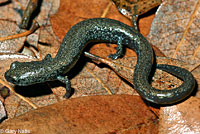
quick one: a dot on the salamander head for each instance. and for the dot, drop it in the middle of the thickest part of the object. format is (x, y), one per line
(26, 73)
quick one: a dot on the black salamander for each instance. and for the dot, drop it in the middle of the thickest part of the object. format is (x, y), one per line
(102, 30)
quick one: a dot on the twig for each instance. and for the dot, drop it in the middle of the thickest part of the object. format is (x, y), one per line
(34, 27)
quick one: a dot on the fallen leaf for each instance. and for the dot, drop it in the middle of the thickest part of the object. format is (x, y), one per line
(145, 23)
(196, 73)
(175, 30)
(135, 7)
(182, 118)
(3, 114)
(94, 114)
(10, 46)
(10, 19)
(9, 10)
(73, 11)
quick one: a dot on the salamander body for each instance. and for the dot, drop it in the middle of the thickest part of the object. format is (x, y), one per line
(102, 30)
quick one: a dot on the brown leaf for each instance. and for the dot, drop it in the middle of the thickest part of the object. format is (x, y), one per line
(181, 118)
(7, 12)
(175, 30)
(10, 46)
(196, 73)
(10, 18)
(145, 24)
(48, 42)
(44, 37)
(94, 114)
(135, 7)
(73, 11)
(2, 112)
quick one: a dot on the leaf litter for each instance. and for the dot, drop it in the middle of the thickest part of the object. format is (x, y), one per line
(175, 31)
(57, 42)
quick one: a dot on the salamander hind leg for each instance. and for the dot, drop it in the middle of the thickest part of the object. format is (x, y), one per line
(119, 52)
(64, 79)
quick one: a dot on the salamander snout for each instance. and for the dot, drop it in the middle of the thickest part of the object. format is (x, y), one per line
(26, 73)
(13, 72)
(10, 78)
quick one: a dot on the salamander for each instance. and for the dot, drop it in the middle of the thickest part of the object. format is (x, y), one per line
(102, 30)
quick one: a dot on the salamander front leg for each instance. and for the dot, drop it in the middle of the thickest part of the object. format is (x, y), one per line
(65, 80)
(119, 52)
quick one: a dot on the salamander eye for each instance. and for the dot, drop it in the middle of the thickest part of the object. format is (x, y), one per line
(13, 65)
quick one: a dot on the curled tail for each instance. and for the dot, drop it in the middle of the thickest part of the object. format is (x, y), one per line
(167, 96)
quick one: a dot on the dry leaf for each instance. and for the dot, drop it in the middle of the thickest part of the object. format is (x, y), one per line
(73, 11)
(9, 10)
(9, 28)
(48, 43)
(47, 8)
(196, 73)
(2, 112)
(135, 7)
(10, 19)
(94, 115)
(145, 24)
(181, 119)
(175, 30)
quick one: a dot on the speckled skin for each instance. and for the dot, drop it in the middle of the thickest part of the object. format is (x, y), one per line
(102, 30)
